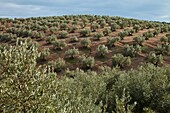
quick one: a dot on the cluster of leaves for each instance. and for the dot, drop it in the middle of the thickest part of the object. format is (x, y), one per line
(139, 40)
(132, 50)
(154, 59)
(111, 41)
(86, 43)
(57, 65)
(102, 50)
(121, 61)
(87, 62)
(72, 53)
(59, 44)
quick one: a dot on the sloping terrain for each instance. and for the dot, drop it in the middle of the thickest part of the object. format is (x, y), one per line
(89, 42)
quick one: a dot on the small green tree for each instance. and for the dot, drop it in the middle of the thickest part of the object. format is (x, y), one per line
(98, 35)
(106, 31)
(85, 32)
(139, 40)
(87, 62)
(86, 42)
(154, 59)
(121, 61)
(58, 65)
(63, 34)
(101, 50)
(72, 53)
(111, 41)
(59, 44)
(44, 53)
(74, 39)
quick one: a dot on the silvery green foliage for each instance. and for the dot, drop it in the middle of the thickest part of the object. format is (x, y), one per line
(59, 44)
(87, 62)
(139, 40)
(85, 32)
(72, 53)
(26, 88)
(58, 64)
(154, 59)
(102, 50)
(86, 42)
(132, 50)
(121, 61)
(44, 53)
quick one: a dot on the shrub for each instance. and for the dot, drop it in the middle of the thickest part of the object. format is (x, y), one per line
(51, 39)
(85, 32)
(165, 39)
(86, 43)
(148, 35)
(120, 61)
(139, 40)
(72, 53)
(94, 27)
(73, 39)
(111, 41)
(59, 44)
(122, 34)
(58, 65)
(44, 53)
(72, 29)
(154, 59)
(163, 49)
(87, 62)
(132, 50)
(63, 34)
(102, 50)
(63, 26)
(136, 28)
(106, 31)
(98, 35)
(114, 26)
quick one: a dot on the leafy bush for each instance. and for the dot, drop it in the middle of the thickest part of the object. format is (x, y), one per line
(94, 27)
(63, 34)
(51, 39)
(85, 32)
(86, 43)
(111, 41)
(165, 39)
(73, 39)
(63, 26)
(97, 36)
(87, 62)
(121, 61)
(132, 50)
(139, 40)
(154, 59)
(44, 53)
(114, 26)
(59, 44)
(106, 31)
(101, 50)
(58, 65)
(136, 28)
(72, 53)
(163, 49)
(122, 34)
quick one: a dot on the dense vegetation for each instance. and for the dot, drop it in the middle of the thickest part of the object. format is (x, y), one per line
(84, 64)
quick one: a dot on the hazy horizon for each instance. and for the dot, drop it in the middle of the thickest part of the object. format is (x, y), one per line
(153, 10)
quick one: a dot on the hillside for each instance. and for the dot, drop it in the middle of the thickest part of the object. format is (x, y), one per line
(96, 39)
(84, 64)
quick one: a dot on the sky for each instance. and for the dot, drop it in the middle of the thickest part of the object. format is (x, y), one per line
(156, 10)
